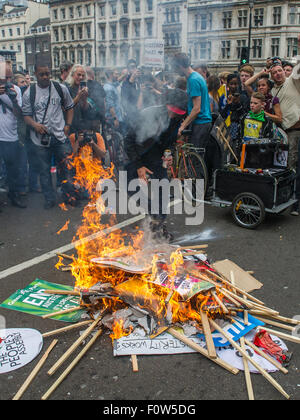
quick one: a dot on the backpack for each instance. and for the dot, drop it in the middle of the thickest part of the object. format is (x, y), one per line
(57, 87)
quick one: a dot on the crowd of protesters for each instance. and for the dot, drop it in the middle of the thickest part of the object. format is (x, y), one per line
(43, 123)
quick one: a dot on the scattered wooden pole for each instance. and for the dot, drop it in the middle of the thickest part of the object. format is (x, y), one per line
(134, 362)
(225, 310)
(71, 366)
(276, 324)
(208, 337)
(255, 364)
(65, 311)
(35, 371)
(202, 351)
(65, 329)
(247, 372)
(77, 343)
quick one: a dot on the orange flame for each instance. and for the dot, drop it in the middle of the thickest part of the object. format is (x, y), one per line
(64, 228)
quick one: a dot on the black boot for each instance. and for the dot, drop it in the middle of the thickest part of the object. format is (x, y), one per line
(16, 201)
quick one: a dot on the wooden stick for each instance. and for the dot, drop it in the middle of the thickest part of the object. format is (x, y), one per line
(232, 279)
(284, 319)
(35, 371)
(71, 366)
(77, 343)
(276, 324)
(235, 302)
(134, 362)
(65, 311)
(247, 372)
(246, 318)
(64, 329)
(281, 335)
(220, 302)
(202, 351)
(67, 257)
(266, 356)
(62, 292)
(193, 247)
(255, 364)
(208, 337)
(227, 143)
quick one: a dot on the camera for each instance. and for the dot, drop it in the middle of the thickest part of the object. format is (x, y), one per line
(45, 140)
(87, 138)
(83, 84)
(11, 93)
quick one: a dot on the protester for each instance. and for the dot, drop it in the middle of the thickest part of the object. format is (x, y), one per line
(264, 86)
(149, 95)
(288, 68)
(77, 85)
(213, 85)
(246, 71)
(256, 124)
(202, 69)
(199, 113)
(28, 79)
(64, 69)
(10, 109)
(113, 99)
(88, 137)
(155, 130)
(48, 110)
(287, 90)
(130, 92)
(97, 96)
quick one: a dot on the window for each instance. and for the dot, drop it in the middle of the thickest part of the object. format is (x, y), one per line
(113, 31)
(88, 57)
(225, 49)
(46, 46)
(88, 30)
(149, 28)
(125, 30)
(55, 14)
(10, 31)
(149, 5)
(137, 6)
(64, 55)
(113, 55)
(257, 48)
(102, 10)
(294, 15)
(18, 31)
(63, 14)
(80, 56)
(292, 47)
(72, 56)
(275, 43)
(240, 44)
(113, 9)
(243, 18)
(137, 29)
(125, 8)
(3, 33)
(64, 34)
(72, 36)
(258, 17)
(102, 32)
(80, 32)
(56, 35)
(19, 48)
(56, 59)
(88, 9)
(28, 48)
(79, 11)
(102, 56)
(227, 19)
(71, 12)
(277, 15)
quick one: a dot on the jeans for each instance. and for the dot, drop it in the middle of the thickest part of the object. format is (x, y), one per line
(43, 158)
(10, 153)
(200, 134)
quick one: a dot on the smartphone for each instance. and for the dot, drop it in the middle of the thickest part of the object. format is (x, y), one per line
(83, 84)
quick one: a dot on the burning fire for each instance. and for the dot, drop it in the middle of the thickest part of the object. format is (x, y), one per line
(137, 290)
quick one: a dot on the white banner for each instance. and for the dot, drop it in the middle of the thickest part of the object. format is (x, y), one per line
(18, 347)
(154, 53)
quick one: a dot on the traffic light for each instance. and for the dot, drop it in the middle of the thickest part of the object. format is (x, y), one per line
(244, 55)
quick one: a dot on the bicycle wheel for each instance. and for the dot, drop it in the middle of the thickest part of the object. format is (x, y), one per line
(192, 166)
(248, 210)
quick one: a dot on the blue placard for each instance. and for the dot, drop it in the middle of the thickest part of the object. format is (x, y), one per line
(236, 330)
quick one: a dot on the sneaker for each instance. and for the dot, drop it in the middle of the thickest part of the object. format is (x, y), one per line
(16, 201)
(295, 209)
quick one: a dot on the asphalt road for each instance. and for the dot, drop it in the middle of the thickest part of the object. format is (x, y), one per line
(272, 252)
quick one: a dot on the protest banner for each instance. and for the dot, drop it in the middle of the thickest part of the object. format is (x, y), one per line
(154, 53)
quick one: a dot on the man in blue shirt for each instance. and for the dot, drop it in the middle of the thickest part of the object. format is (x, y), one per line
(199, 113)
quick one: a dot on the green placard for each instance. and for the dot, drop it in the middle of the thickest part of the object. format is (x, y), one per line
(34, 301)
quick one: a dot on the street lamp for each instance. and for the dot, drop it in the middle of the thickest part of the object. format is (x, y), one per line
(251, 6)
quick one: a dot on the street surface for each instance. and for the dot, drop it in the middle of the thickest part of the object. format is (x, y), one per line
(272, 252)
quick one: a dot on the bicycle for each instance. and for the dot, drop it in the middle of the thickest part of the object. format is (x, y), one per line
(188, 163)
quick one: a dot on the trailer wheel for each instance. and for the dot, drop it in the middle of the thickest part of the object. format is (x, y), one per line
(248, 210)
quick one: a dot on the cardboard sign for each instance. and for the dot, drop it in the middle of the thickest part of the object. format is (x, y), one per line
(154, 53)
(18, 347)
(34, 301)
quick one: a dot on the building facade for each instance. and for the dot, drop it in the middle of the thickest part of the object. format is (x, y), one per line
(38, 44)
(15, 22)
(219, 29)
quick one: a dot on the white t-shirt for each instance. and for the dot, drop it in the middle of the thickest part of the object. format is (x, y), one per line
(289, 97)
(8, 121)
(54, 120)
